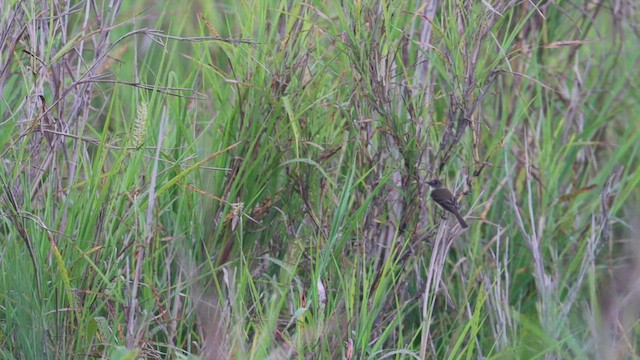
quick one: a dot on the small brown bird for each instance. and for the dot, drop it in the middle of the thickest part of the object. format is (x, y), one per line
(443, 197)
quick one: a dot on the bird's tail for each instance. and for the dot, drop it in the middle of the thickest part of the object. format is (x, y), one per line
(461, 220)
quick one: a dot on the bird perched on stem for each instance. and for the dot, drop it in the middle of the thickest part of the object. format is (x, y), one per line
(443, 197)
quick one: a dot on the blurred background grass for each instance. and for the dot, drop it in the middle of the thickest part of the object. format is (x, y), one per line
(247, 179)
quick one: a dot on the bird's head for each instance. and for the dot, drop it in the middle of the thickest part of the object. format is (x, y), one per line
(435, 183)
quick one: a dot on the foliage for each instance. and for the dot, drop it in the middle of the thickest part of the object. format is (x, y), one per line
(248, 179)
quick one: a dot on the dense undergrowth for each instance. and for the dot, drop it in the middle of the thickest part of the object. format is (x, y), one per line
(248, 179)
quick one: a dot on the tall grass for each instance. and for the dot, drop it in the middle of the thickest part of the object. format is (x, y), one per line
(248, 179)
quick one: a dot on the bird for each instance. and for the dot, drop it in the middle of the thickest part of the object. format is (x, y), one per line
(443, 197)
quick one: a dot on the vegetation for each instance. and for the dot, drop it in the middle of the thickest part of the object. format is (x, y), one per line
(247, 179)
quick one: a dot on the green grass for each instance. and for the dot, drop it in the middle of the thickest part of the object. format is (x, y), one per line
(247, 180)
